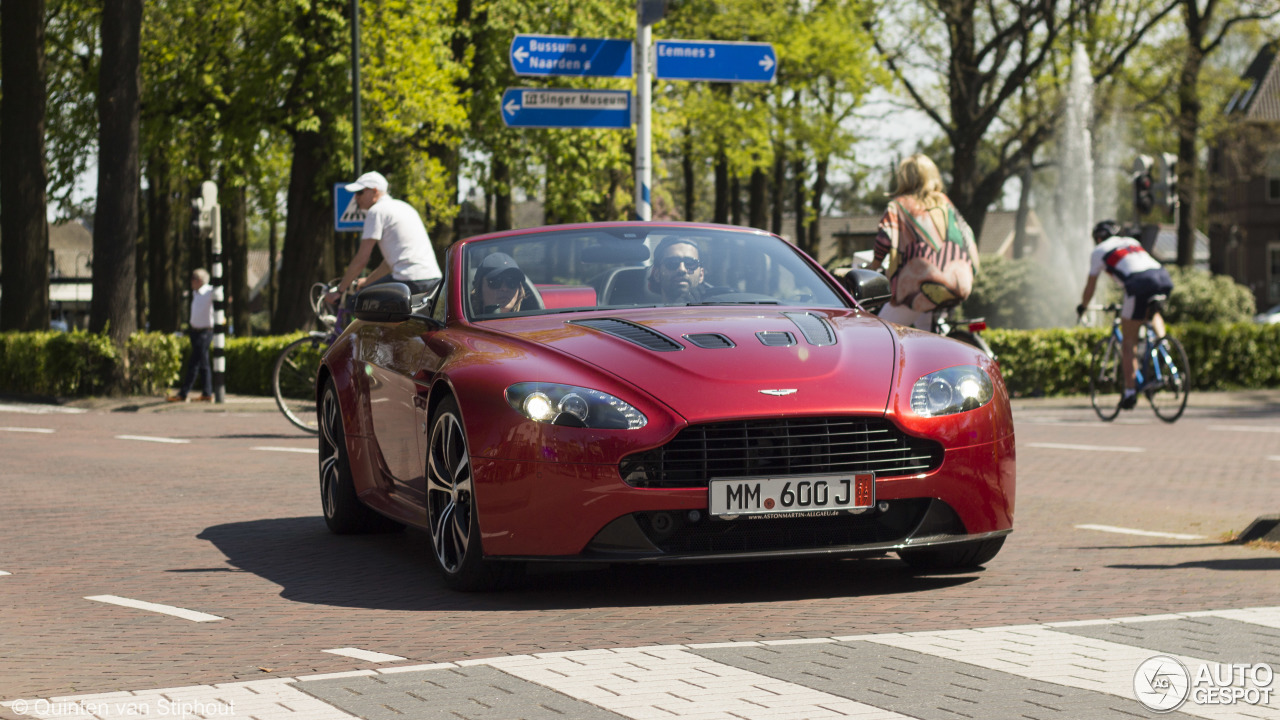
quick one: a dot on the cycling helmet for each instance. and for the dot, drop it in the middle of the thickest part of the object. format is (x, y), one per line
(1105, 229)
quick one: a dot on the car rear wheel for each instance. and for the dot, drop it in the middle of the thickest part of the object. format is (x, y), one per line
(343, 511)
(958, 556)
(451, 508)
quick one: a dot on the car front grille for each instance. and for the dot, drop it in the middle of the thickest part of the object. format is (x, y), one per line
(779, 447)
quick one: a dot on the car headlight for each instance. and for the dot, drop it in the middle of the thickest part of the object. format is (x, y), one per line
(953, 390)
(573, 406)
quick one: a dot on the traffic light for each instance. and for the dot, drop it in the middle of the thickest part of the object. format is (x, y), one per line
(1167, 185)
(1144, 198)
(651, 11)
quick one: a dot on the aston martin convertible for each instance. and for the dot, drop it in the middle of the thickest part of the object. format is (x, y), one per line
(658, 393)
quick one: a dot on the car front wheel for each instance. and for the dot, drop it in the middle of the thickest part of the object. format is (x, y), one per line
(451, 508)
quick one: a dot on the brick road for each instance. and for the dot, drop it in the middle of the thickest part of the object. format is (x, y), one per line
(216, 526)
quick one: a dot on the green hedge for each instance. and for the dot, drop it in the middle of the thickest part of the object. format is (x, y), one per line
(1034, 362)
(1056, 361)
(80, 363)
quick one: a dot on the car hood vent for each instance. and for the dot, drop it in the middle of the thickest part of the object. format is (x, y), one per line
(631, 332)
(776, 338)
(709, 341)
(815, 328)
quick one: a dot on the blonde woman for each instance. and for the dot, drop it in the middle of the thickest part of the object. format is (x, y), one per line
(926, 247)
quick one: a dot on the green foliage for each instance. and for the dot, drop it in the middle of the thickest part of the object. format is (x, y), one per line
(250, 361)
(1053, 361)
(55, 364)
(1023, 294)
(1223, 356)
(1201, 297)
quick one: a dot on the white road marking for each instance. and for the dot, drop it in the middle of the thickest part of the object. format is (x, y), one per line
(1089, 448)
(312, 451)
(277, 699)
(183, 613)
(1144, 533)
(670, 682)
(1273, 457)
(41, 409)
(4, 573)
(369, 655)
(1039, 653)
(146, 438)
(1246, 428)
(27, 430)
(644, 683)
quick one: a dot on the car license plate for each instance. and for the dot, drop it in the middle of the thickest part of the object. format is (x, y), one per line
(796, 495)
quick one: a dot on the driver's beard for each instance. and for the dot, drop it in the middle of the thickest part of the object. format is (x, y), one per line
(692, 294)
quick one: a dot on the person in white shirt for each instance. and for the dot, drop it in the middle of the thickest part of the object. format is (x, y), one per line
(1142, 277)
(201, 334)
(394, 226)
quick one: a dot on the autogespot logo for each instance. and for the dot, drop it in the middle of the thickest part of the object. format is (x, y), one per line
(1162, 683)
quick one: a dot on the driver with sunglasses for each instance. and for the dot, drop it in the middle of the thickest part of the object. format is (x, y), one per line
(677, 274)
(499, 285)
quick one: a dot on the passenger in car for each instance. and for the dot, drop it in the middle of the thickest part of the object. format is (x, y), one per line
(677, 274)
(498, 286)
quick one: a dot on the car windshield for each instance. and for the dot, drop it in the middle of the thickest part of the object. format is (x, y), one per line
(619, 267)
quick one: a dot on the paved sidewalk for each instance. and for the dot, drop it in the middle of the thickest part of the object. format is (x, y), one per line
(1077, 669)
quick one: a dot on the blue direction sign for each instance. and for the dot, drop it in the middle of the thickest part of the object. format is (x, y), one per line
(549, 108)
(347, 217)
(714, 61)
(557, 55)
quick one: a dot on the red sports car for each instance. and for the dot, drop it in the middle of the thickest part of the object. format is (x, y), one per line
(658, 392)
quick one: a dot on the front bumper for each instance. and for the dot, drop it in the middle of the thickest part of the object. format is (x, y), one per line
(563, 511)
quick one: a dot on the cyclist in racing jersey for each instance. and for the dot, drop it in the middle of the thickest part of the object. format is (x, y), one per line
(1142, 277)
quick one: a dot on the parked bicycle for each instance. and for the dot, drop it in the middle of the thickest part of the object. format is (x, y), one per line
(293, 377)
(1163, 375)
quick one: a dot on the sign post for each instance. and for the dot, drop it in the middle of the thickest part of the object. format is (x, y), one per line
(549, 55)
(715, 61)
(644, 120)
(561, 108)
(210, 223)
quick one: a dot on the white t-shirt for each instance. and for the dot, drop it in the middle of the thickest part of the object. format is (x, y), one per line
(1122, 257)
(402, 238)
(202, 307)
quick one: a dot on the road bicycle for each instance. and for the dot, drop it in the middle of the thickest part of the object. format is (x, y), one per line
(293, 377)
(1163, 376)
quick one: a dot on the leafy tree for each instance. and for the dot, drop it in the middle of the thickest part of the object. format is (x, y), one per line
(24, 230)
(1199, 296)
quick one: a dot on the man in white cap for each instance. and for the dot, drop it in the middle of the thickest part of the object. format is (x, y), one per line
(394, 225)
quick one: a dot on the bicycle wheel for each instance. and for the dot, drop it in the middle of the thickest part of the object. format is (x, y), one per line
(1168, 395)
(1106, 379)
(293, 381)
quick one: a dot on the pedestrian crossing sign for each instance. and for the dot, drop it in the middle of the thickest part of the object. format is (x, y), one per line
(346, 216)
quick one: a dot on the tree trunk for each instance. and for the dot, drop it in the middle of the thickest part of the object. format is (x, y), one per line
(690, 191)
(163, 300)
(273, 246)
(235, 255)
(1020, 249)
(721, 214)
(308, 229)
(758, 210)
(443, 233)
(797, 177)
(504, 218)
(777, 189)
(1188, 123)
(115, 227)
(24, 229)
(735, 200)
(814, 244)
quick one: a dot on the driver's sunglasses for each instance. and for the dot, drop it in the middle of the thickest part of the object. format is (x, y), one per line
(511, 281)
(674, 262)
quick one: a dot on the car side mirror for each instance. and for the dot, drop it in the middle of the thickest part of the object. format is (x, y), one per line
(383, 303)
(868, 287)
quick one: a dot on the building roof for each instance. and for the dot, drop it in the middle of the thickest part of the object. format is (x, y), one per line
(1259, 98)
